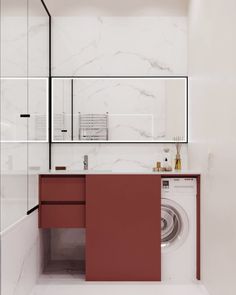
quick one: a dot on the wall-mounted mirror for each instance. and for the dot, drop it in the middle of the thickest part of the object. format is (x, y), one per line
(119, 109)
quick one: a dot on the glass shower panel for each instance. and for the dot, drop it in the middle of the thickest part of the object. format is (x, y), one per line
(38, 73)
(14, 129)
(14, 38)
(38, 108)
(13, 182)
(38, 163)
(38, 40)
(14, 124)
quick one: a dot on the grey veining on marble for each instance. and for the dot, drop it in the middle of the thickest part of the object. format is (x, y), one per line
(24, 46)
(138, 109)
(120, 46)
(114, 157)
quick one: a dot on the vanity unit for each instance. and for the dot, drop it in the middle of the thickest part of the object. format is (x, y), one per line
(121, 214)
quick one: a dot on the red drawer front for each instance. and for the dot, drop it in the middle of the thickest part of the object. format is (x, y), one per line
(62, 188)
(62, 216)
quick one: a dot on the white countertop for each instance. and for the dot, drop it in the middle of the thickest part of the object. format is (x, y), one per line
(88, 172)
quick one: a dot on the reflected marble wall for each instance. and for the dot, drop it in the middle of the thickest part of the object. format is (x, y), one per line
(136, 107)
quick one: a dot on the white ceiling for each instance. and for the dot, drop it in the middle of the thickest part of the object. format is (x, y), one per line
(117, 7)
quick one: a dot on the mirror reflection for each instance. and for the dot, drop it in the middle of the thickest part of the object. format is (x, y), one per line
(119, 109)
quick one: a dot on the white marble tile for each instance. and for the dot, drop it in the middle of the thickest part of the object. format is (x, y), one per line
(120, 46)
(21, 259)
(115, 157)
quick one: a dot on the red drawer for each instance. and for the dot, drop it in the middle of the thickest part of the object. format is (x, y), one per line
(62, 216)
(62, 188)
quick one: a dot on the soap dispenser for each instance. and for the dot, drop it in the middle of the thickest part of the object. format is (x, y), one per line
(166, 162)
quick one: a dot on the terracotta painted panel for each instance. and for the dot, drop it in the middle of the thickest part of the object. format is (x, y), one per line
(62, 188)
(62, 216)
(123, 227)
(198, 229)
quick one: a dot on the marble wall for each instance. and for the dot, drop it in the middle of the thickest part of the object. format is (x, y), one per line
(115, 157)
(117, 46)
(212, 70)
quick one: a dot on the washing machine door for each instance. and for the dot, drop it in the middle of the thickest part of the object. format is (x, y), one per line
(174, 225)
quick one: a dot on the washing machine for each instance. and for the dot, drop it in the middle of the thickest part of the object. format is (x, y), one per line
(178, 230)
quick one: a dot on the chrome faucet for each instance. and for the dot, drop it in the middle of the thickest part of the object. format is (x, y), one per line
(85, 162)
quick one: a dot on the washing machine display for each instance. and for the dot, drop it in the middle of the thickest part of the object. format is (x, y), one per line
(178, 229)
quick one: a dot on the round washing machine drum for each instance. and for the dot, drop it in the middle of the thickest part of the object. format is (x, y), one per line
(174, 225)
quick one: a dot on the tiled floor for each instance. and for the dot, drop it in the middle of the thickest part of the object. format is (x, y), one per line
(74, 284)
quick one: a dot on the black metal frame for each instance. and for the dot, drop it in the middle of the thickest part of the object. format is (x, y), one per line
(122, 77)
(72, 109)
(32, 209)
(49, 95)
(50, 115)
(49, 86)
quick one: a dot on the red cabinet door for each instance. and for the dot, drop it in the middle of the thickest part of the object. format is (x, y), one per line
(123, 227)
(62, 188)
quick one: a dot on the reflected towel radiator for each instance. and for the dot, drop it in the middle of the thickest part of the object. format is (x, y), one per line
(93, 127)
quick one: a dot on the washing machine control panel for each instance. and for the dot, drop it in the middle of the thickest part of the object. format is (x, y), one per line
(178, 186)
(165, 184)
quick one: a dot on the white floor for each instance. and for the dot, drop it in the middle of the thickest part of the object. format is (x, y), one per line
(75, 284)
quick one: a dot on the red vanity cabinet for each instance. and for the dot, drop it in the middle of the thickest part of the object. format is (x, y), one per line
(62, 201)
(123, 227)
(121, 213)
